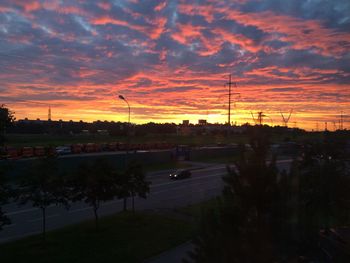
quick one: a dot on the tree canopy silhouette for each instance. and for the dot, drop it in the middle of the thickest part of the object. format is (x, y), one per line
(5, 195)
(94, 184)
(43, 186)
(132, 183)
(249, 215)
(6, 118)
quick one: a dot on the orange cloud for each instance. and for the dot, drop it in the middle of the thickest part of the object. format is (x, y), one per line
(108, 20)
(104, 5)
(158, 27)
(206, 11)
(239, 39)
(303, 34)
(31, 6)
(153, 30)
(186, 33)
(160, 6)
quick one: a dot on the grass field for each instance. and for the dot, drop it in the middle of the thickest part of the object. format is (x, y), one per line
(195, 210)
(124, 237)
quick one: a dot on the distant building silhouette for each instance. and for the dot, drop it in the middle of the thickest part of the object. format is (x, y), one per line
(185, 122)
(202, 122)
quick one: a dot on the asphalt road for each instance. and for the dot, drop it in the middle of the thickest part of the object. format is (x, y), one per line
(164, 194)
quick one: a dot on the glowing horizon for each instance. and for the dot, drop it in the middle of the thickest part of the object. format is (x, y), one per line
(171, 59)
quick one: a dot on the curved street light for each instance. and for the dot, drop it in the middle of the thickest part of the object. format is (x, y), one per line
(123, 98)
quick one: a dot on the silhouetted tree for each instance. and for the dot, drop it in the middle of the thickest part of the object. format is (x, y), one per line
(42, 187)
(323, 195)
(131, 183)
(94, 184)
(5, 194)
(124, 185)
(138, 185)
(6, 118)
(244, 225)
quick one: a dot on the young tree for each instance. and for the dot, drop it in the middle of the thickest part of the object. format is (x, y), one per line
(138, 185)
(131, 183)
(124, 185)
(94, 184)
(42, 187)
(6, 118)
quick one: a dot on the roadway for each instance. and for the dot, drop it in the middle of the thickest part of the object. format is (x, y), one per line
(204, 184)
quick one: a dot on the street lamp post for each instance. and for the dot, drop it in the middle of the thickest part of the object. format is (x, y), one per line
(123, 98)
(128, 144)
(128, 130)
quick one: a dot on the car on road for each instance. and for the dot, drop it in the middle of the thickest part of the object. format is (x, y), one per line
(63, 150)
(180, 174)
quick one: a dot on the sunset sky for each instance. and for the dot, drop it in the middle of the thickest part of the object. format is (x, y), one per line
(171, 60)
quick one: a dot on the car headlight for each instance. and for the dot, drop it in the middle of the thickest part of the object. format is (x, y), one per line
(175, 175)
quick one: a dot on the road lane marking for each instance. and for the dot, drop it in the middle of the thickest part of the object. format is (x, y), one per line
(211, 168)
(8, 226)
(22, 211)
(112, 202)
(151, 194)
(26, 210)
(6, 239)
(194, 170)
(41, 218)
(187, 180)
(79, 210)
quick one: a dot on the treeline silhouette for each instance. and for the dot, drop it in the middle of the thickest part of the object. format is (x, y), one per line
(45, 185)
(122, 128)
(71, 127)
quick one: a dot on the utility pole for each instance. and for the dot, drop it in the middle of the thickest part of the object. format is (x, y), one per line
(341, 120)
(259, 120)
(229, 99)
(334, 126)
(49, 115)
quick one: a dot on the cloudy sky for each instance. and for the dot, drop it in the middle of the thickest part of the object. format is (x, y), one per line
(171, 59)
